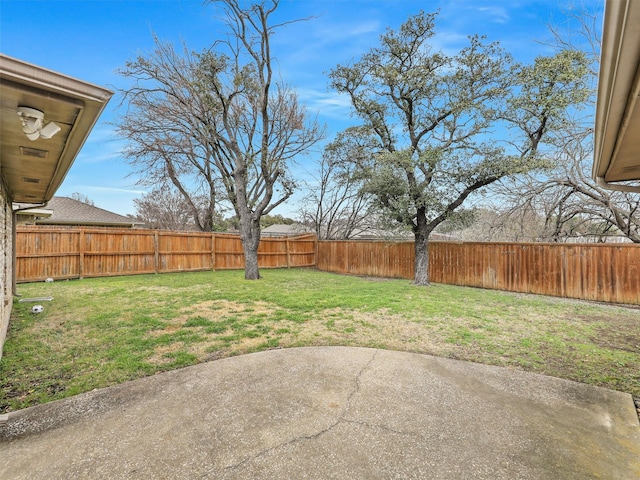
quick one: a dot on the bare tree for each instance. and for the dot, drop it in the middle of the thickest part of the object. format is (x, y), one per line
(218, 124)
(567, 202)
(431, 115)
(166, 209)
(580, 201)
(336, 207)
(256, 125)
(571, 203)
(574, 205)
(166, 130)
(81, 197)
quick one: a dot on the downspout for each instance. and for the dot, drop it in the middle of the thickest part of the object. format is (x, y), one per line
(14, 239)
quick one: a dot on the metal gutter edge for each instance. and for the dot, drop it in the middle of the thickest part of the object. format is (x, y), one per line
(617, 187)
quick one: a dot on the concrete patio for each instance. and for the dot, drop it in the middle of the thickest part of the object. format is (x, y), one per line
(330, 412)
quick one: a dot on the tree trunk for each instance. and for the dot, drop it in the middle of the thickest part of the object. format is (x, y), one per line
(250, 236)
(421, 249)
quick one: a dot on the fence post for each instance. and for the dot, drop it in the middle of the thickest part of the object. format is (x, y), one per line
(287, 250)
(213, 252)
(156, 252)
(316, 246)
(81, 254)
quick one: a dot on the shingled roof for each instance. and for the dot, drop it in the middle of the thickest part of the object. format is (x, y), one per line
(67, 211)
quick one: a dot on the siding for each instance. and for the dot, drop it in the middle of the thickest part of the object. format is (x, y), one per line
(6, 263)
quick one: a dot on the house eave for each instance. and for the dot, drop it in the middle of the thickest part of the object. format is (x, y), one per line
(87, 223)
(34, 169)
(617, 149)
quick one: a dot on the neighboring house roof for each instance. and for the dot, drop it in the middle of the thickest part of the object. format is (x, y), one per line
(617, 146)
(281, 230)
(372, 233)
(67, 211)
(34, 169)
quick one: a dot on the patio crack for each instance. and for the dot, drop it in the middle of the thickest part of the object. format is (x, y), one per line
(340, 419)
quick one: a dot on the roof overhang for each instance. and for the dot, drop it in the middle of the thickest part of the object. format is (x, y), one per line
(617, 128)
(34, 169)
(71, 223)
(35, 212)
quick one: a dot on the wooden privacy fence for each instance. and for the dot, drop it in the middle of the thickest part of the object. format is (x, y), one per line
(607, 273)
(63, 253)
(602, 272)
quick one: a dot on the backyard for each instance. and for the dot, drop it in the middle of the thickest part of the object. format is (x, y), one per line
(103, 331)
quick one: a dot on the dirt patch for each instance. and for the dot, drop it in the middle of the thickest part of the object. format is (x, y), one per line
(617, 333)
(155, 289)
(616, 339)
(160, 356)
(493, 339)
(235, 333)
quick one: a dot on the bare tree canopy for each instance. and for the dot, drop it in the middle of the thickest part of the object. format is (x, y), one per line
(336, 206)
(217, 123)
(81, 197)
(165, 208)
(166, 128)
(581, 207)
(258, 127)
(570, 204)
(433, 120)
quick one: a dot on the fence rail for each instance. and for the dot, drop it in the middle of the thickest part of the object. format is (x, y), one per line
(601, 272)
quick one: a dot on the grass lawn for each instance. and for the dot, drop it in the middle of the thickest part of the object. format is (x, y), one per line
(100, 332)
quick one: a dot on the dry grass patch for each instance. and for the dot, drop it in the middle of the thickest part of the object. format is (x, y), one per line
(218, 324)
(162, 353)
(214, 310)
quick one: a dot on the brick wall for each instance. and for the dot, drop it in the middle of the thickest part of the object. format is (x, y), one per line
(6, 256)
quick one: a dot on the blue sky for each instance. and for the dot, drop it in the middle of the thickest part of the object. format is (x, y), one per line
(91, 39)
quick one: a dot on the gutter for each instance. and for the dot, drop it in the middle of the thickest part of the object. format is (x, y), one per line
(77, 223)
(616, 186)
(618, 90)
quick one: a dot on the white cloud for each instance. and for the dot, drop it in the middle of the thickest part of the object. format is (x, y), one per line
(100, 189)
(329, 104)
(87, 155)
(341, 31)
(102, 133)
(496, 13)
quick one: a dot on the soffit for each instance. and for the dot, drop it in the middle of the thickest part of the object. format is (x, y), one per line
(617, 129)
(33, 170)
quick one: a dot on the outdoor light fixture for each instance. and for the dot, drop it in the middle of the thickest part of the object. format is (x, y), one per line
(33, 124)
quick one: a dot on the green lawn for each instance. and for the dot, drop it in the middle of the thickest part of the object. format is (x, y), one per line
(99, 332)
